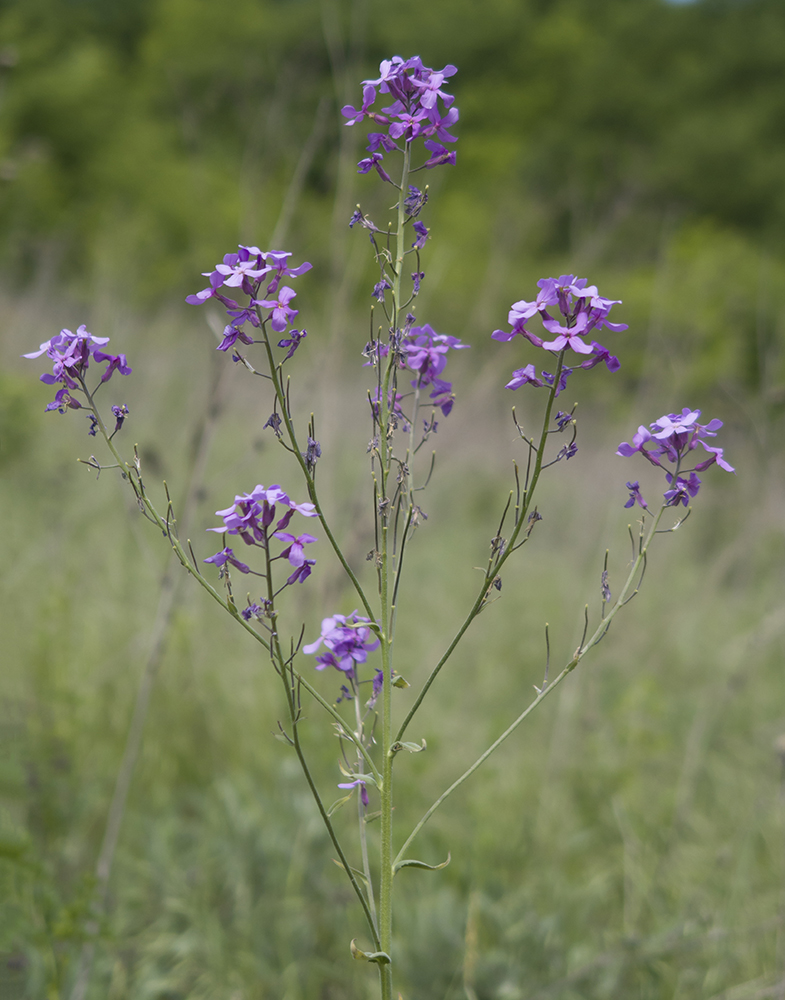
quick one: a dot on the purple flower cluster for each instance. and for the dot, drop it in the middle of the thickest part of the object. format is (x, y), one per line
(424, 353)
(251, 516)
(670, 440)
(71, 354)
(247, 270)
(347, 640)
(416, 91)
(582, 310)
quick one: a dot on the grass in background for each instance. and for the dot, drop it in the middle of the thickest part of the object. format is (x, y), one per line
(629, 842)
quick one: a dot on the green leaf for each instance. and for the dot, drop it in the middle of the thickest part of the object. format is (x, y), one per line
(355, 871)
(411, 863)
(381, 957)
(411, 747)
(338, 803)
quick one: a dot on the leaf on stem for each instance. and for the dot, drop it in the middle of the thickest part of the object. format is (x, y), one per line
(411, 863)
(337, 805)
(369, 956)
(355, 871)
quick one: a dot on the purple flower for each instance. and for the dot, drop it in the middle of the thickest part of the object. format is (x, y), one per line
(671, 440)
(422, 234)
(70, 354)
(635, 496)
(227, 556)
(292, 342)
(380, 139)
(355, 116)
(582, 310)
(524, 376)
(380, 288)
(347, 639)
(439, 155)
(277, 263)
(63, 401)
(117, 362)
(313, 452)
(638, 441)
(417, 92)
(294, 551)
(414, 201)
(565, 374)
(682, 491)
(374, 162)
(302, 573)
(425, 352)
(355, 784)
(601, 354)
(274, 422)
(567, 452)
(282, 314)
(120, 413)
(251, 514)
(567, 336)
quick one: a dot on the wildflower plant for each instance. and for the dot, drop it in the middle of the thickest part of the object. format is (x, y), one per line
(265, 535)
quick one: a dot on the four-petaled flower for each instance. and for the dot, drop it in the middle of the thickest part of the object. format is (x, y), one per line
(670, 441)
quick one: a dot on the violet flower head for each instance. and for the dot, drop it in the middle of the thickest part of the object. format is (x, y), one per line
(425, 352)
(581, 309)
(421, 108)
(71, 354)
(682, 490)
(668, 445)
(246, 270)
(347, 640)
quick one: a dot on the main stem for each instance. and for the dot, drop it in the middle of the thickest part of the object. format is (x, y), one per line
(387, 611)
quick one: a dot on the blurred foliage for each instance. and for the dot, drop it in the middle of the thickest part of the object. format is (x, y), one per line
(140, 141)
(629, 843)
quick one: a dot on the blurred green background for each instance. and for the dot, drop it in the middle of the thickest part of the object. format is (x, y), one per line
(629, 842)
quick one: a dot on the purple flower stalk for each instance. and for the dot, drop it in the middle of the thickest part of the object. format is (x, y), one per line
(71, 354)
(417, 92)
(251, 516)
(347, 640)
(582, 310)
(668, 446)
(246, 270)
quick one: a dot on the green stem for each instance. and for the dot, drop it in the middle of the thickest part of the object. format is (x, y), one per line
(386, 832)
(275, 377)
(290, 681)
(361, 808)
(137, 485)
(494, 565)
(598, 634)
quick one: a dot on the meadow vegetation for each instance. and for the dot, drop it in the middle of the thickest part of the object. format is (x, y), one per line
(630, 840)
